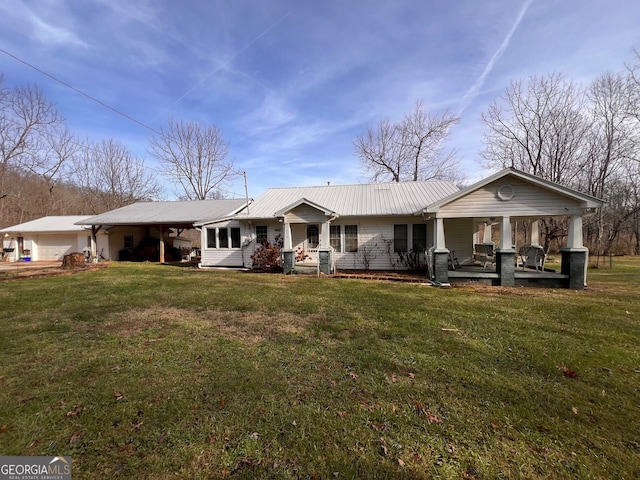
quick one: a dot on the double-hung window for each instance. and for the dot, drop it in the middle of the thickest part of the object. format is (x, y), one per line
(400, 238)
(419, 237)
(261, 234)
(351, 238)
(334, 238)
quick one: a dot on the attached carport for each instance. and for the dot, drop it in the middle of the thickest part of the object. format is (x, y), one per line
(164, 216)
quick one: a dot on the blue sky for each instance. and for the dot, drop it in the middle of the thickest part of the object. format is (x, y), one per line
(291, 83)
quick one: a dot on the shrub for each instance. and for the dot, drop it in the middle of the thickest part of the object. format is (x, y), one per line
(267, 256)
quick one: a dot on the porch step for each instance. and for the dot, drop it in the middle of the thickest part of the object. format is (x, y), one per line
(306, 269)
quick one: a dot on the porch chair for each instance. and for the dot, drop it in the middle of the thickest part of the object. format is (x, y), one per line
(484, 253)
(532, 256)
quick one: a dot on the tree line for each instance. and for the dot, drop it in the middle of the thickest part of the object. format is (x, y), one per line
(47, 170)
(583, 137)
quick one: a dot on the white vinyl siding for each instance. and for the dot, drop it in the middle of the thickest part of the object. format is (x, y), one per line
(527, 201)
(224, 245)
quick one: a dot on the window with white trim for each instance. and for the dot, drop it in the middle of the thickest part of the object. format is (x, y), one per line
(419, 237)
(261, 234)
(334, 237)
(400, 238)
(351, 238)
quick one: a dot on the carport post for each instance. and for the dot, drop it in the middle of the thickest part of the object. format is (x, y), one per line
(161, 228)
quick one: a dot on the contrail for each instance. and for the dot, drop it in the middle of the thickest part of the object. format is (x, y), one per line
(221, 66)
(475, 88)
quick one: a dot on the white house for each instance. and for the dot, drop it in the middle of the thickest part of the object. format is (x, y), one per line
(385, 226)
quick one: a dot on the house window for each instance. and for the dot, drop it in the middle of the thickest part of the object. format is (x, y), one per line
(211, 238)
(235, 237)
(351, 238)
(313, 236)
(419, 237)
(334, 238)
(400, 238)
(223, 238)
(128, 242)
(261, 234)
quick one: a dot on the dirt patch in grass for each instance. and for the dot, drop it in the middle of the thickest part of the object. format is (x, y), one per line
(252, 327)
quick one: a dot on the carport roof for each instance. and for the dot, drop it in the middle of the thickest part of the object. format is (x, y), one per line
(52, 224)
(167, 213)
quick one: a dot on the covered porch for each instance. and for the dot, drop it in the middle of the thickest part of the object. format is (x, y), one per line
(306, 239)
(498, 257)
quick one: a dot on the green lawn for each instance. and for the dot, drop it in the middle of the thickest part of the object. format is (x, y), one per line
(150, 371)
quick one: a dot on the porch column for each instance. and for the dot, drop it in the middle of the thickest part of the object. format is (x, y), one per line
(506, 255)
(161, 248)
(94, 242)
(288, 241)
(324, 234)
(535, 233)
(575, 255)
(486, 238)
(440, 254)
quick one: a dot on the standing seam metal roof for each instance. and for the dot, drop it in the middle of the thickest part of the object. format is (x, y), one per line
(154, 213)
(51, 224)
(381, 199)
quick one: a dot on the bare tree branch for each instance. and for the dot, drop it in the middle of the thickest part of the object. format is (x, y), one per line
(194, 156)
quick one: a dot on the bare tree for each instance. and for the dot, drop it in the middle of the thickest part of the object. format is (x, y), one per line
(613, 139)
(28, 122)
(195, 156)
(412, 149)
(109, 177)
(538, 127)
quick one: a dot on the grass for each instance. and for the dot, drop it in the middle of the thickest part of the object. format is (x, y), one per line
(150, 371)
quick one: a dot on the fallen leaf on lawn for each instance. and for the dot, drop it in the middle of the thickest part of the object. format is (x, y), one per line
(35, 443)
(137, 424)
(118, 395)
(353, 375)
(412, 375)
(221, 403)
(394, 378)
(76, 411)
(401, 462)
(3, 428)
(75, 437)
(212, 439)
(333, 383)
(254, 436)
(574, 410)
(433, 418)
(342, 414)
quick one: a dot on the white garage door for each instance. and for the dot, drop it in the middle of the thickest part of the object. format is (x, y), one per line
(54, 247)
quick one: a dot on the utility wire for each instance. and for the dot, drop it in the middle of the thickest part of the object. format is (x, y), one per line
(100, 102)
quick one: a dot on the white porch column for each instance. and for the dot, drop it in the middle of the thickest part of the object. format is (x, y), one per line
(440, 239)
(161, 229)
(324, 234)
(574, 239)
(506, 241)
(486, 238)
(535, 233)
(288, 241)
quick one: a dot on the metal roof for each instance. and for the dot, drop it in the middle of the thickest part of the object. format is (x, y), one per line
(53, 224)
(167, 213)
(379, 199)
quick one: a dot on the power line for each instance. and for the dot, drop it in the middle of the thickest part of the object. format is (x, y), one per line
(100, 102)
